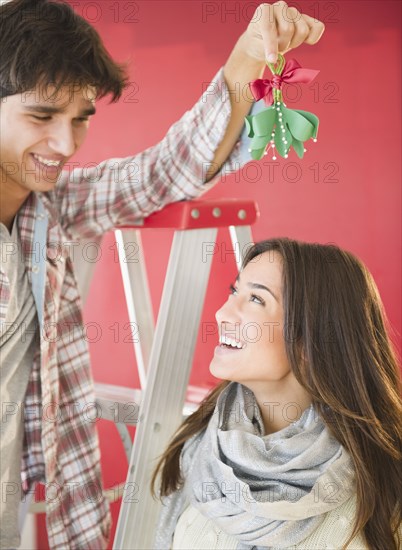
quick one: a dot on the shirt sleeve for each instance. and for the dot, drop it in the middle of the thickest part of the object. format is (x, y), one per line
(123, 191)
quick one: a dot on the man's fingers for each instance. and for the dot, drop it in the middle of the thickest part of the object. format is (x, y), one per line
(283, 28)
(316, 29)
(284, 24)
(301, 29)
(269, 33)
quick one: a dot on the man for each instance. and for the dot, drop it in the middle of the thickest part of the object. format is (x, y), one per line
(53, 67)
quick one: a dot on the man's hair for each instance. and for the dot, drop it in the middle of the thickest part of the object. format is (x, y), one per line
(47, 43)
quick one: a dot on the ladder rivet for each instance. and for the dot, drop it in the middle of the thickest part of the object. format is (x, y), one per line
(216, 212)
(157, 427)
(195, 213)
(242, 214)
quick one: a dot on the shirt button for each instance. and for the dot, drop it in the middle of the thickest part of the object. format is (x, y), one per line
(35, 269)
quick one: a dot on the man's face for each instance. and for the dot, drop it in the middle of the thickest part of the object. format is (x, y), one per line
(39, 132)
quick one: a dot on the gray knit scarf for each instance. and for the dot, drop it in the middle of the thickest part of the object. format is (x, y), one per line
(264, 490)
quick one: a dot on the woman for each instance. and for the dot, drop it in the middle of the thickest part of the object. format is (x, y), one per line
(300, 446)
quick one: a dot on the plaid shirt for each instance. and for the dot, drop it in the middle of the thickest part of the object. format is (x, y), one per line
(61, 445)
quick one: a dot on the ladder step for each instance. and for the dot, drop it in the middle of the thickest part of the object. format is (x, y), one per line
(121, 404)
(199, 214)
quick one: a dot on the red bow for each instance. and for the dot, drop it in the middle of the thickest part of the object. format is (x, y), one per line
(292, 73)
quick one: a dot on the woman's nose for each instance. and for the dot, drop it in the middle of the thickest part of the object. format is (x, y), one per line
(229, 313)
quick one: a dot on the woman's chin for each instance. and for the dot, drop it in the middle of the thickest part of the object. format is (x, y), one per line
(223, 372)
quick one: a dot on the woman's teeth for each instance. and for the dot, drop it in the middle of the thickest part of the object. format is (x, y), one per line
(231, 342)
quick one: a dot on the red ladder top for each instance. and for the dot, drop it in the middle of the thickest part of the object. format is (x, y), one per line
(199, 214)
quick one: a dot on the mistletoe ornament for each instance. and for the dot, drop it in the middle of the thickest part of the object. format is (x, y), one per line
(279, 128)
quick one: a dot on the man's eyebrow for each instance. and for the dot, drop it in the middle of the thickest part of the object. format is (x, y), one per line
(259, 287)
(50, 110)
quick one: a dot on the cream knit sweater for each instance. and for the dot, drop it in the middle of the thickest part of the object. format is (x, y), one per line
(194, 531)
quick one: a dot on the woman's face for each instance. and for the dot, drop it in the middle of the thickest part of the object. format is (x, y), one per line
(251, 337)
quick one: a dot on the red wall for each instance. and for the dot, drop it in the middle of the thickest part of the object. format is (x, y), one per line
(349, 189)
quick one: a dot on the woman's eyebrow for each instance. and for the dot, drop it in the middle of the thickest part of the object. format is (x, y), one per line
(259, 287)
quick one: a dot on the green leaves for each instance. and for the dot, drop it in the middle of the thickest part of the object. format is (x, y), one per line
(282, 128)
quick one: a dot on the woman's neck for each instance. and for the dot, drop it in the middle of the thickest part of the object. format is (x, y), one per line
(281, 402)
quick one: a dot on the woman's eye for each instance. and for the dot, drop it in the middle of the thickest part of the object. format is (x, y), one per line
(82, 119)
(232, 289)
(256, 299)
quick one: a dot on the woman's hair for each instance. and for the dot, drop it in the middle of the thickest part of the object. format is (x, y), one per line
(47, 43)
(339, 351)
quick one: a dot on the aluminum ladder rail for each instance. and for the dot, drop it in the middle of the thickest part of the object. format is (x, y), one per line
(165, 378)
(193, 215)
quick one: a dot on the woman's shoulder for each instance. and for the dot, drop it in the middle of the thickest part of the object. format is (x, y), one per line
(196, 531)
(334, 530)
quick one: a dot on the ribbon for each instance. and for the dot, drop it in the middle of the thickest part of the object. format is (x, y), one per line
(278, 128)
(292, 73)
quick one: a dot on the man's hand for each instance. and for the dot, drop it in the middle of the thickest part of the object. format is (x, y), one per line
(278, 28)
(274, 28)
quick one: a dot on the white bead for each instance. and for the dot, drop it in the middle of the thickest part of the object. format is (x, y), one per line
(278, 102)
(305, 150)
(283, 130)
(315, 140)
(249, 150)
(277, 109)
(271, 142)
(265, 153)
(286, 156)
(273, 158)
(285, 141)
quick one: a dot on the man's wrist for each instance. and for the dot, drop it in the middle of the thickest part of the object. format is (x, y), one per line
(241, 67)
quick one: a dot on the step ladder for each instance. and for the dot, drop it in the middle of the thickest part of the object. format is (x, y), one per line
(164, 352)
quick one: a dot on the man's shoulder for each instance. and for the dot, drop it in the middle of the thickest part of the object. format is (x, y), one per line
(37, 207)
